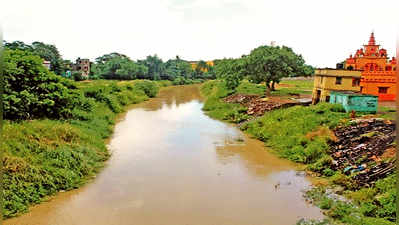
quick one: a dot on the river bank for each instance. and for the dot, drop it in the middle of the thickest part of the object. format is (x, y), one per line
(43, 157)
(302, 134)
(172, 164)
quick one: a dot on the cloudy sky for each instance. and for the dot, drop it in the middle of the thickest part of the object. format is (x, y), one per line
(324, 32)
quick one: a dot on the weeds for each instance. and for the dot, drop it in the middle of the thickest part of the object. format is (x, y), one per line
(42, 157)
(301, 134)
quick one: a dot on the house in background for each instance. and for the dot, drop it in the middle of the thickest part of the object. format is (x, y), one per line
(83, 66)
(47, 64)
(327, 80)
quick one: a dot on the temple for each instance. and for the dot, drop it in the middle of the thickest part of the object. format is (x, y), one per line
(378, 72)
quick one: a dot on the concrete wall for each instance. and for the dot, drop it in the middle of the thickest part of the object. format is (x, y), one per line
(325, 81)
(358, 103)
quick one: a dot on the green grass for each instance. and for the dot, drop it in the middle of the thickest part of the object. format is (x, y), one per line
(246, 87)
(301, 134)
(386, 112)
(285, 130)
(295, 87)
(299, 84)
(216, 108)
(368, 206)
(42, 157)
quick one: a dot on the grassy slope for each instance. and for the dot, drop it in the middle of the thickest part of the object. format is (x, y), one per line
(42, 157)
(301, 134)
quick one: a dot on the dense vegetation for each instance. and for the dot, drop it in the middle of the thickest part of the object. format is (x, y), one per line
(117, 66)
(120, 67)
(53, 135)
(301, 134)
(264, 64)
(31, 91)
(45, 51)
(368, 206)
(43, 156)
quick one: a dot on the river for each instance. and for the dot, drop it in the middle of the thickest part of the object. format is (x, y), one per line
(173, 165)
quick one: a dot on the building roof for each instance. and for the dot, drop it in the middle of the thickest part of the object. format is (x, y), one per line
(338, 72)
(351, 93)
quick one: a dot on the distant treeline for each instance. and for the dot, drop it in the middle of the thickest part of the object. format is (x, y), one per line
(117, 66)
(120, 67)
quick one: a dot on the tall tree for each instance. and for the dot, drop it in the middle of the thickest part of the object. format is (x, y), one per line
(45, 51)
(232, 71)
(118, 66)
(50, 53)
(155, 65)
(177, 68)
(269, 64)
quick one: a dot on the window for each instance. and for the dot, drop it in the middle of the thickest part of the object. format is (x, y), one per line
(321, 80)
(338, 80)
(382, 90)
(355, 82)
(327, 98)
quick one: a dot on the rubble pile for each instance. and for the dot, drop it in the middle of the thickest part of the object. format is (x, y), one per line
(257, 106)
(359, 149)
(240, 98)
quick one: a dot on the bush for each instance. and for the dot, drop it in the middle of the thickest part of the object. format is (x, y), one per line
(285, 131)
(42, 157)
(150, 88)
(77, 76)
(31, 91)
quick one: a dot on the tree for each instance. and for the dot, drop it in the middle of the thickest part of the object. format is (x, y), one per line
(49, 53)
(269, 64)
(177, 68)
(45, 51)
(17, 45)
(103, 59)
(156, 67)
(201, 68)
(232, 71)
(308, 70)
(32, 91)
(117, 66)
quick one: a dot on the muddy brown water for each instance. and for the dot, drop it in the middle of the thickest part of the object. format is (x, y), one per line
(173, 165)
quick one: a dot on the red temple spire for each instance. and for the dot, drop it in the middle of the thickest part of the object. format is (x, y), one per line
(372, 40)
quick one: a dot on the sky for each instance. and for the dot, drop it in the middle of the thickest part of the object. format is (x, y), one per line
(323, 32)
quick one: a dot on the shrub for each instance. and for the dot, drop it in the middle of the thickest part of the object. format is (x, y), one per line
(149, 88)
(78, 76)
(31, 91)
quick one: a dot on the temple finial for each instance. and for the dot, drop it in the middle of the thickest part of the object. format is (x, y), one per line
(372, 39)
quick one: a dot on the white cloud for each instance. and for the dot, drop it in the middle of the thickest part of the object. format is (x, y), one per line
(324, 32)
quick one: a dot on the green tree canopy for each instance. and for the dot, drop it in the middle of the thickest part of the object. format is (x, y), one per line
(45, 51)
(177, 68)
(231, 70)
(155, 65)
(118, 66)
(32, 91)
(269, 64)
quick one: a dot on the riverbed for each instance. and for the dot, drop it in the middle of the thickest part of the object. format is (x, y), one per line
(171, 164)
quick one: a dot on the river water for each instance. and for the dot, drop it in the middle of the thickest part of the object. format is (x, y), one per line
(173, 165)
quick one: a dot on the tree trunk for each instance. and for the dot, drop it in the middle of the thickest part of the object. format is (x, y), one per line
(268, 89)
(273, 86)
